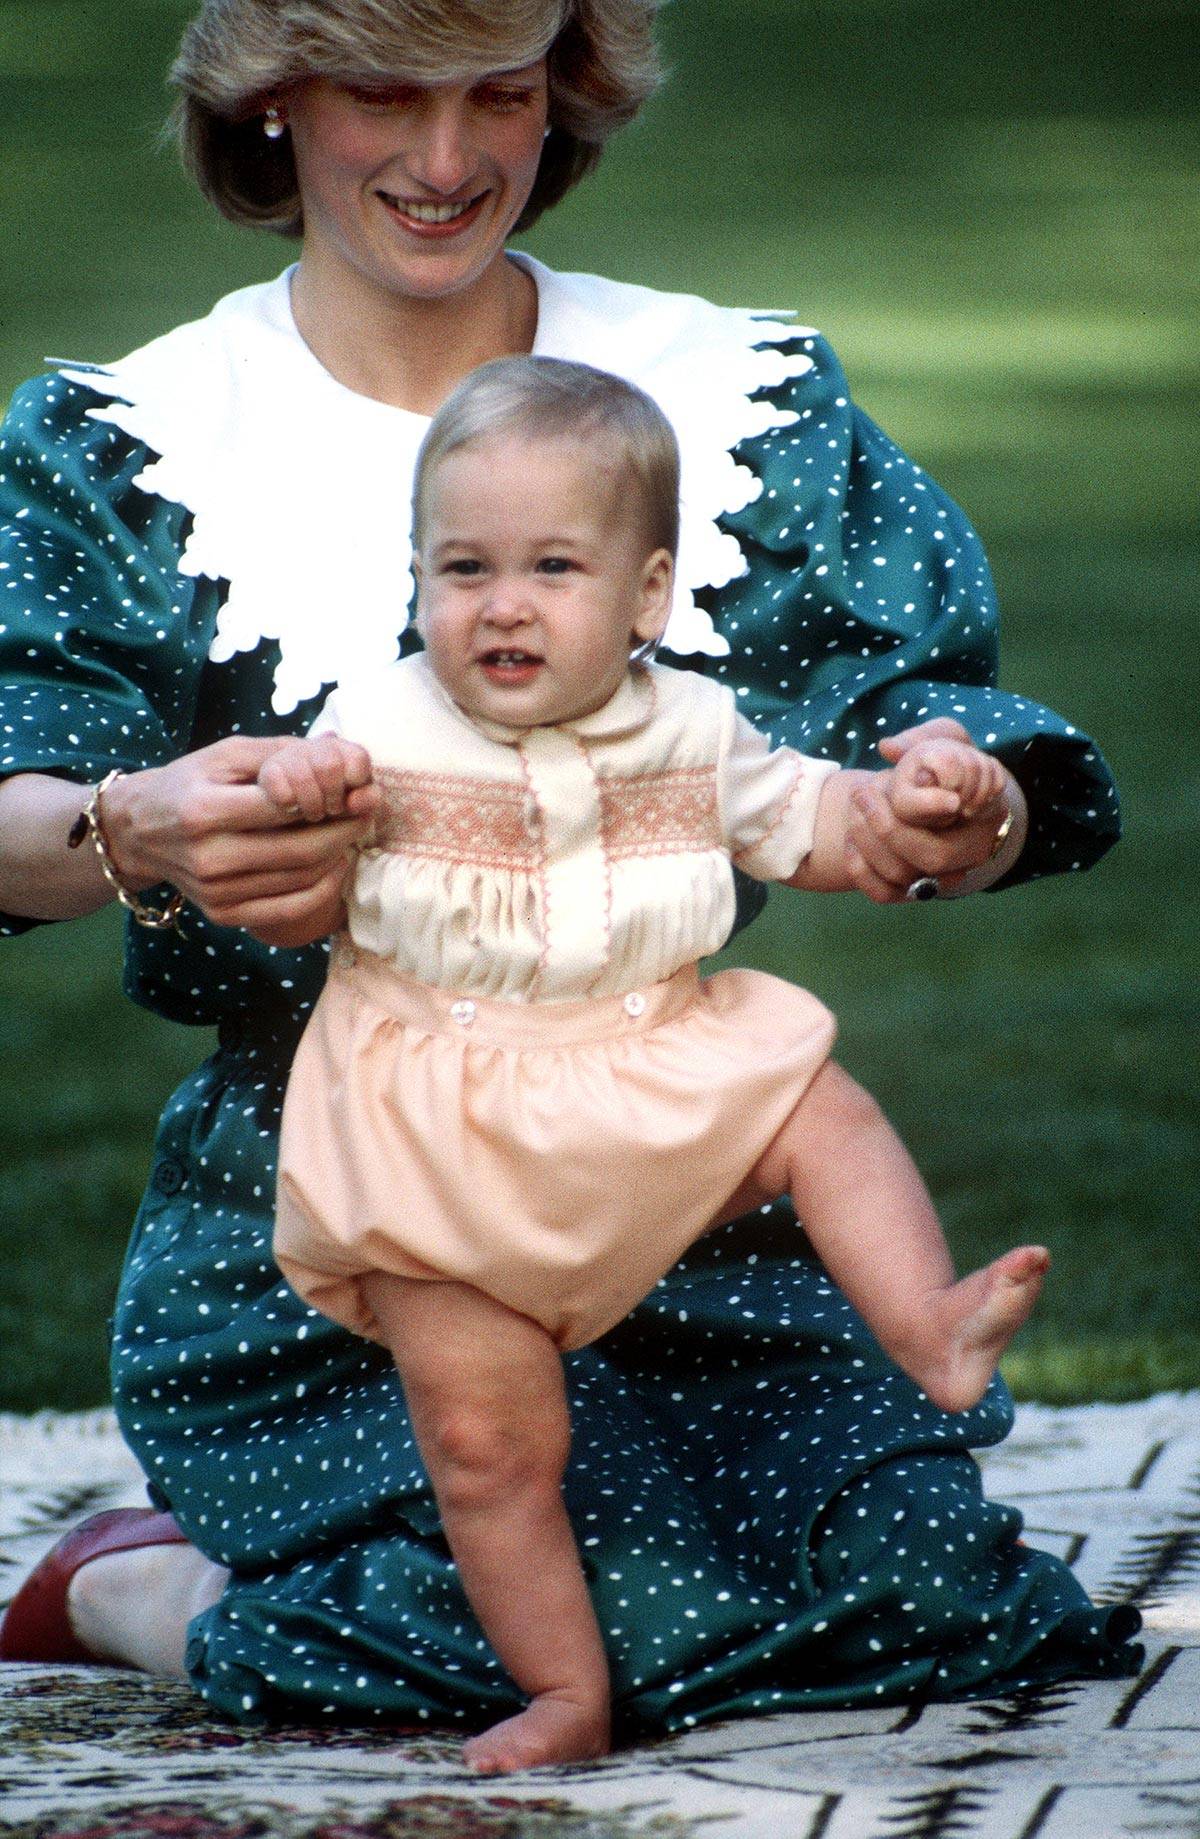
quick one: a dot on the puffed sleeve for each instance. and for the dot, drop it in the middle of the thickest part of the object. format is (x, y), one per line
(101, 640)
(868, 606)
(769, 799)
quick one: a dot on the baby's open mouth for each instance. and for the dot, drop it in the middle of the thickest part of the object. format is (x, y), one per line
(504, 664)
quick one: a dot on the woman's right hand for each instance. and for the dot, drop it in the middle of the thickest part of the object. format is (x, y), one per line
(204, 825)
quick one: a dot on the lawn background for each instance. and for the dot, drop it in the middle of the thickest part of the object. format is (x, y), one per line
(992, 209)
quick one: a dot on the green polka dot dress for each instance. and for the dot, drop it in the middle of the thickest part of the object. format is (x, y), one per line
(771, 1516)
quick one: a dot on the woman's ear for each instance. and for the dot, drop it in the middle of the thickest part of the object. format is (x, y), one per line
(655, 590)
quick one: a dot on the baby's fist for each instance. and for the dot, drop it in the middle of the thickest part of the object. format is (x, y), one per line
(941, 781)
(315, 778)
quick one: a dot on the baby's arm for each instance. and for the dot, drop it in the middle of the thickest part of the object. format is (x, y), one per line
(320, 777)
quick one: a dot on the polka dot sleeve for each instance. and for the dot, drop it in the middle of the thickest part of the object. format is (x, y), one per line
(99, 655)
(869, 606)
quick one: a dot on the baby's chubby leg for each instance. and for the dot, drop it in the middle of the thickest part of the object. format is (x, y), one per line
(863, 1204)
(485, 1391)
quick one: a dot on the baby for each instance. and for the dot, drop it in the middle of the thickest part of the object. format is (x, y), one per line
(516, 1103)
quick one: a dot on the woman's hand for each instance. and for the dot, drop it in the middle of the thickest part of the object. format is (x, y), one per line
(886, 851)
(204, 825)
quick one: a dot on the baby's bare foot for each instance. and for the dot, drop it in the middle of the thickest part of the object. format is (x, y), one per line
(973, 1324)
(550, 1729)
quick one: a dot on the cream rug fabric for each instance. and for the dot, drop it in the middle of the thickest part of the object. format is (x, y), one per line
(96, 1753)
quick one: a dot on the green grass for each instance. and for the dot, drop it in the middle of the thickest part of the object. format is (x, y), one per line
(993, 210)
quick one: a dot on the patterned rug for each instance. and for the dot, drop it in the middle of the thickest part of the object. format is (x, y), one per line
(97, 1753)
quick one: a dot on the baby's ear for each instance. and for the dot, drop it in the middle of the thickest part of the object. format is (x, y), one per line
(656, 588)
(418, 574)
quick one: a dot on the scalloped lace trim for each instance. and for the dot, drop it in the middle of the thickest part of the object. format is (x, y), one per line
(299, 487)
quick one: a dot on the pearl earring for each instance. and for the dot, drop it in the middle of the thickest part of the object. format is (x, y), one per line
(274, 125)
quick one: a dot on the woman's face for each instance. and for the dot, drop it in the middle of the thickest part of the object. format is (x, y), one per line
(414, 188)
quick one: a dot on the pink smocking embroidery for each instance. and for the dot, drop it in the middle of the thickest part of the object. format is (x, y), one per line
(476, 821)
(660, 814)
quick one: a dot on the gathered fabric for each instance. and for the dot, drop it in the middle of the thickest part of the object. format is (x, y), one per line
(560, 1157)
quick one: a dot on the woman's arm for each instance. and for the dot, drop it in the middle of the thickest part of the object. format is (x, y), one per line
(102, 647)
(40, 878)
(868, 609)
(201, 825)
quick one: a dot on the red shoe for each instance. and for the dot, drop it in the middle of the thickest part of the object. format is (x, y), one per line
(36, 1625)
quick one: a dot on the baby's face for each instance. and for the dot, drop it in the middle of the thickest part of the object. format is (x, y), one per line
(535, 581)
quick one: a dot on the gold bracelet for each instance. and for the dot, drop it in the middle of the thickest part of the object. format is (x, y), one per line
(1001, 836)
(91, 822)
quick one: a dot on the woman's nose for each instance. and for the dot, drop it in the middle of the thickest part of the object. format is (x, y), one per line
(442, 155)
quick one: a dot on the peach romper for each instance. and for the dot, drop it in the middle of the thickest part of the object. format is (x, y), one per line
(514, 1077)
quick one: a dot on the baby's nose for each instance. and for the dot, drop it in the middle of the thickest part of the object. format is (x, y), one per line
(508, 605)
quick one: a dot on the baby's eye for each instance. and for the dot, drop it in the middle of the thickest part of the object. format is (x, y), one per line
(555, 565)
(465, 567)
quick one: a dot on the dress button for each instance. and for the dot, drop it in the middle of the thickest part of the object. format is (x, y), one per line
(635, 1003)
(168, 1177)
(463, 1012)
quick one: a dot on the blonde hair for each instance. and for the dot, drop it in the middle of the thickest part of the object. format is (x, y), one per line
(549, 399)
(237, 54)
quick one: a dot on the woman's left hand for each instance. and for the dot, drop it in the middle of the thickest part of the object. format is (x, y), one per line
(886, 855)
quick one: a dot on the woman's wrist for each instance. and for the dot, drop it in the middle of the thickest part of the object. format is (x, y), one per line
(1010, 840)
(120, 828)
(92, 827)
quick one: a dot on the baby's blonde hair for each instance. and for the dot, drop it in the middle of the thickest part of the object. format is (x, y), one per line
(549, 399)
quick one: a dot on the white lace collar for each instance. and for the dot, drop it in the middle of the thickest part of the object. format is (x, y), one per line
(299, 487)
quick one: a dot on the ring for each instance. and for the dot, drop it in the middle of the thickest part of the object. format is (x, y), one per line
(925, 887)
(290, 810)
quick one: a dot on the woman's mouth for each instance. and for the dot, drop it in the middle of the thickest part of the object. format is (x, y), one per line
(426, 217)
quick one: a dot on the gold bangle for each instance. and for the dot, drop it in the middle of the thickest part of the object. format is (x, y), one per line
(1001, 836)
(91, 822)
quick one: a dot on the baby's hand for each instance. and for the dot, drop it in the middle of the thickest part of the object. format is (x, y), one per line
(942, 782)
(318, 778)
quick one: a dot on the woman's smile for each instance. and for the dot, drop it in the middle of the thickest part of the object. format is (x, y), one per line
(429, 219)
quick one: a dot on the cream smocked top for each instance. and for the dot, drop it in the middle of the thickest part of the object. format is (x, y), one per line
(587, 859)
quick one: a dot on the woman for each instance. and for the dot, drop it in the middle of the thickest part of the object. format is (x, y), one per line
(204, 537)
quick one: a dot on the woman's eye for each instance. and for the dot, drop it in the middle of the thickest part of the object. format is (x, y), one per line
(389, 96)
(504, 99)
